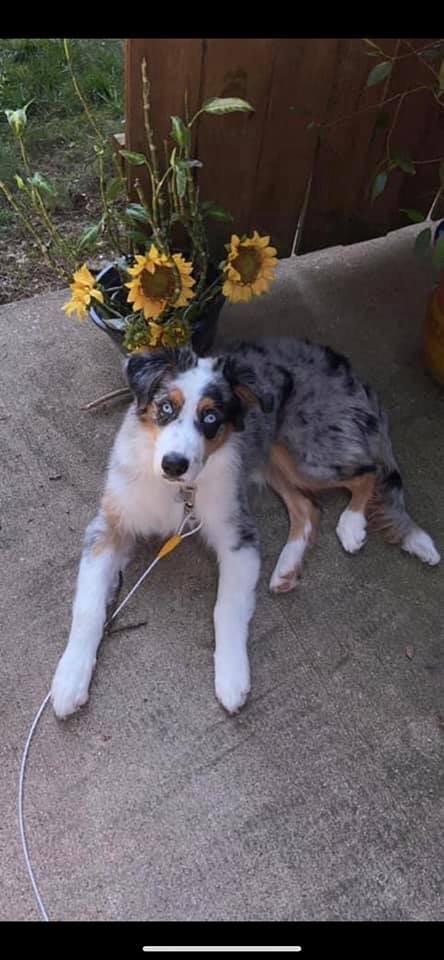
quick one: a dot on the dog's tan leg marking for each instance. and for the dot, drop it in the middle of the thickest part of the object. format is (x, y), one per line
(283, 477)
(352, 525)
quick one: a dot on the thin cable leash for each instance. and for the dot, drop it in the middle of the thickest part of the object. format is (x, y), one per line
(187, 494)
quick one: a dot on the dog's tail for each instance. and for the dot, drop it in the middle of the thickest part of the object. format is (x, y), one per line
(387, 511)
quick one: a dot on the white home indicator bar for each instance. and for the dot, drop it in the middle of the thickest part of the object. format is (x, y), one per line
(262, 949)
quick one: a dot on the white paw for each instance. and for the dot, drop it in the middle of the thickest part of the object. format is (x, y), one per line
(351, 530)
(70, 685)
(421, 545)
(232, 684)
(287, 570)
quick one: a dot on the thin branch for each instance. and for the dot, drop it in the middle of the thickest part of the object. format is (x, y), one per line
(372, 106)
(121, 392)
(403, 56)
(428, 65)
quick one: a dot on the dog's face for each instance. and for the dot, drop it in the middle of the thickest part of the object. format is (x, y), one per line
(190, 406)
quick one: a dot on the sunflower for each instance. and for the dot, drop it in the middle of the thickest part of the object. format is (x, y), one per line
(249, 267)
(141, 336)
(159, 280)
(176, 333)
(83, 289)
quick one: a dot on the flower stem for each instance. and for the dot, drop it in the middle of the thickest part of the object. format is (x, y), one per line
(153, 167)
(41, 210)
(62, 273)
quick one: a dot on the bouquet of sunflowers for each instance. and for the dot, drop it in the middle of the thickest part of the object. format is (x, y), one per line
(160, 287)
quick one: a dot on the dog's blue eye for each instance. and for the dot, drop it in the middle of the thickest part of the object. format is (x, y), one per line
(166, 408)
(210, 418)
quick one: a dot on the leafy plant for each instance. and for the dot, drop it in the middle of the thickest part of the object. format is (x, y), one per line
(396, 160)
(164, 278)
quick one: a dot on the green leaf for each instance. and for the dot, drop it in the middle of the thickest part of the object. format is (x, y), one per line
(379, 184)
(438, 253)
(180, 133)
(136, 212)
(414, 215)
(135, 159)
(114, 188)
(42, 183)
(403, 161)
(20, 182)
(422, 242)
(137, 235)
(181, 180)
(379, 72)
(89, 236)
(441, 77)
(210, 209)
(435, 53)
(220, 105)
(441, 175)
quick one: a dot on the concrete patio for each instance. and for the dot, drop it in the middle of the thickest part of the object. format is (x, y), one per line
(323, 799)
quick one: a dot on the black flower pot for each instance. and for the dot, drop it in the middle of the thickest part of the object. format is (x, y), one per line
(204, 326)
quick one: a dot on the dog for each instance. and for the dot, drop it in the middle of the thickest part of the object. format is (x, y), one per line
(286, 411)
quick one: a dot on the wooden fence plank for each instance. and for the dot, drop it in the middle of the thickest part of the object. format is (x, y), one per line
(340, 209)
(229, 146)
(257, 165)
(337, 211)
(287, 151)
(174, 66)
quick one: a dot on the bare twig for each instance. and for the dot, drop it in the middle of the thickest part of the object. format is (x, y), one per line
(121, 392)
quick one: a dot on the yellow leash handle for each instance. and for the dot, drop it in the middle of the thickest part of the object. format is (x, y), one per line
(170, 545)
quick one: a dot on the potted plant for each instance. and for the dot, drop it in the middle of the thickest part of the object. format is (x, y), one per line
(159, 286)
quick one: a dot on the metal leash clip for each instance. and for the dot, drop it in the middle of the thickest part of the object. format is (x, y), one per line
(188, 497)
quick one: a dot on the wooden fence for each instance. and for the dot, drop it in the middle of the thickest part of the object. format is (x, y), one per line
(262, 166)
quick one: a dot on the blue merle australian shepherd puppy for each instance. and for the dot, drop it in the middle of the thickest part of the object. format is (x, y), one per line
(287, 410)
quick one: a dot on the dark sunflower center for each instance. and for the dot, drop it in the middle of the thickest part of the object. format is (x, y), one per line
(247, 263)
(159, 285)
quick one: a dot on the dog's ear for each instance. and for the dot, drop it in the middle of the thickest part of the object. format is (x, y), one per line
(145, 371)
(245, 385)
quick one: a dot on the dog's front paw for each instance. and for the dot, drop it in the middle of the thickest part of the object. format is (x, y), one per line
(232, 684)
(70, 685)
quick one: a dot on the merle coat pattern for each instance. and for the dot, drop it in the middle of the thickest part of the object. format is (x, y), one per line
(288, 411)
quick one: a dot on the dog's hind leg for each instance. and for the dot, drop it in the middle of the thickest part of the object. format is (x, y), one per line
(352, 526)
(282, 475)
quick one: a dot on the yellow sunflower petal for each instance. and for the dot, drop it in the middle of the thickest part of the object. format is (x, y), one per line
(232, 292)
(234, 274)
(98, 295)
(260, 286)
(84, 276)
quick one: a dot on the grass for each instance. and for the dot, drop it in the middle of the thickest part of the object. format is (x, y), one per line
(58, 134)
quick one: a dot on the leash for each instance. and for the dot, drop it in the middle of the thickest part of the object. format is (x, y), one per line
(188, 496)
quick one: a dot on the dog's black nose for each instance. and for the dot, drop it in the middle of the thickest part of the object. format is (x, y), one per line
(174, 464)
